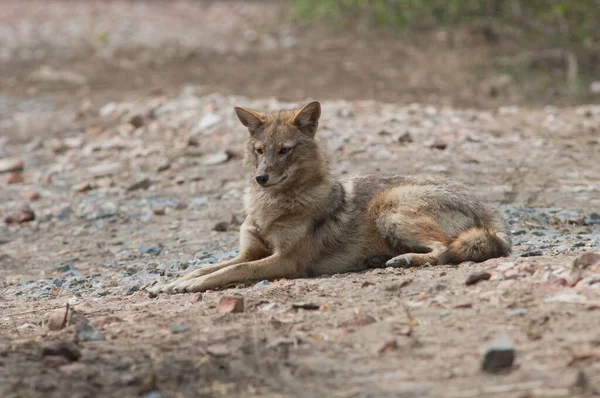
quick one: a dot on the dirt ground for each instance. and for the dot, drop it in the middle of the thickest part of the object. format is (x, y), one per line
(117, 137)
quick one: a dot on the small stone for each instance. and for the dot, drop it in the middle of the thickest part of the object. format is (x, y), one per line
(264, 283)
(193, 140)
(209, 121)
(159, 211)
(436, 143)
(82, 187)
(62, 348)
(592, 219)
(476, 277)
(178, 328)
(587, 260)
(102, 183)
(153, 394)
(230, 304)
(499, 355)
(532, 253)
(104, 169)
(31, 195)
(73, 367)
(59, 319)
(363, 319)
(21, 216)
(218, 350)
(306, 306)
(142, 184)
(516, 312)
(163, 164)
(15, 178)
(136, 121)
(388, 346)
(151, 250)
(215, 158)
(221, 226)
(405, 138)
(11, 165)
(86, 332)
(68, 269)
(54, 361)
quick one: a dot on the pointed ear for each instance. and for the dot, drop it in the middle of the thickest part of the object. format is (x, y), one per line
(307, 118)
(249, 118)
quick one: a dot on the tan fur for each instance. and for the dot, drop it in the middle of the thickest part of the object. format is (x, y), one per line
(304, 222)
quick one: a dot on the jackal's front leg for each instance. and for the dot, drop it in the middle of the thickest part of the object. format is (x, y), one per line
(168, 288)
(272, 267)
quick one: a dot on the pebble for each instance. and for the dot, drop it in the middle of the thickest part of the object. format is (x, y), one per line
(215, 158)
(500, 354)
(264, 283)
(532, 253)
(405, 138)
(56, 320)
(21, 216)
(476, 277)
(105, 169)
(64, 349)
(178, 328)
(74, 367)
(31, 195)
(153, 394)
(142, 184)
(230, 304)
(11, 165)
(151, 250)
(82, 187)
(221, 226)
(86, 332)
(587, 260)
(436, 143)
(388, 346)
(516, 312)
(136, 121)
(209, 121)
(306, 306)
(15, 178)
(218, 350)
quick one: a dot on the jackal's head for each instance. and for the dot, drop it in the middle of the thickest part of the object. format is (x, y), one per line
(281, 149)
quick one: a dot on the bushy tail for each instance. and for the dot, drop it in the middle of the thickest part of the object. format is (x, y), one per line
(477, 244)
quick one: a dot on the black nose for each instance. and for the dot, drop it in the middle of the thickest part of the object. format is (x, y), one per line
(262, 178)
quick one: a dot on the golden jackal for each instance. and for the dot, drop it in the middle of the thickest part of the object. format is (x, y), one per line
(301, 221)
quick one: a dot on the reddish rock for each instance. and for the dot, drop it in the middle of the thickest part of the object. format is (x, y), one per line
(20, 216)
(31, 195)
(15, 178)
(587, 260)
(476, 277)
(230, 304)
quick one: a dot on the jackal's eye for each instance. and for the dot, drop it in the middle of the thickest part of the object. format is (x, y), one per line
(285, 150)
(259, 151)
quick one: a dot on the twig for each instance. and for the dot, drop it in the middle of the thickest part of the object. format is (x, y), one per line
(66, 318)
(411, 321)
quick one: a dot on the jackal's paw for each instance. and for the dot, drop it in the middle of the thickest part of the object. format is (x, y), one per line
(189, 286)
(402, 261)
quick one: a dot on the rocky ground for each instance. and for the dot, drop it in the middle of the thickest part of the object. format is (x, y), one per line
(109, 190)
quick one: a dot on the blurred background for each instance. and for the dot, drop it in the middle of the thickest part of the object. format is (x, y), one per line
(465, 53)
